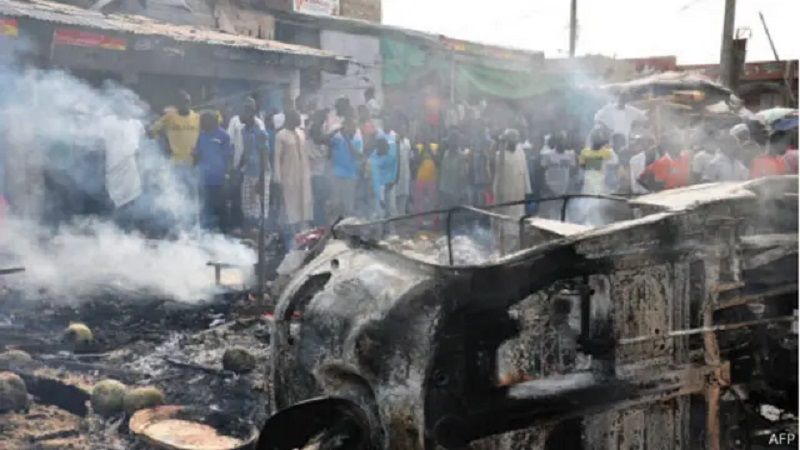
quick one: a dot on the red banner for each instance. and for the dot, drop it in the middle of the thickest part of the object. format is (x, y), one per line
(79, 38)
(8, 27)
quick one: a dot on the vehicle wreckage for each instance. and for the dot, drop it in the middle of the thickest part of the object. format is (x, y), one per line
(662, 328)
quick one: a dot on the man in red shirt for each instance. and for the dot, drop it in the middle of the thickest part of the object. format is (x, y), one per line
(773, 162)
(671, 170)
(790, 159)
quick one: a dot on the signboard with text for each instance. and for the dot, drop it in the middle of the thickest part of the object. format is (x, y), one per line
(317, 7)
(8, 27)
(80, 38)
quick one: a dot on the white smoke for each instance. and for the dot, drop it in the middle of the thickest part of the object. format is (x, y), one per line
(95, 257)
(43, 110)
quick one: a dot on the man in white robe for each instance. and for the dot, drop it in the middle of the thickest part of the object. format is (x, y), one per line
(511, 183)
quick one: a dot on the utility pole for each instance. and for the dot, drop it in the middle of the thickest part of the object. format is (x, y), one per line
(769, 36)
(788, 71)
(573, 26)
(727, 67)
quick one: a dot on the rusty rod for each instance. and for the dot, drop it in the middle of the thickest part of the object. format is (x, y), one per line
(690, 331)
(744, 299)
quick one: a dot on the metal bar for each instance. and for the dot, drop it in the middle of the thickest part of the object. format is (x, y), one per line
(449, 236)
(700, 330)
(11, 270)
(262, 185)
(485, 210)
(744, 299)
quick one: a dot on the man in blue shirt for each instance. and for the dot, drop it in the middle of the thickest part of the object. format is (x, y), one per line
(383, 165)
(255, 143)
(347, 148)
(212, 155)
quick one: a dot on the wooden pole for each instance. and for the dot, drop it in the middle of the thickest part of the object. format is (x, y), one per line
(573, 27)
(726, 65)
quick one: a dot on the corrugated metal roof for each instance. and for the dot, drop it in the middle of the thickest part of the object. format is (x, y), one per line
(71, 15)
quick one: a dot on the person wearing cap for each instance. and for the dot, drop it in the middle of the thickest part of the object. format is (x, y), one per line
(512, 183)
(292, 173)
(749, 148)
(511, 180)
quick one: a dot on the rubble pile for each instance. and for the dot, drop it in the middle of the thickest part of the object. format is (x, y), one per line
(77, 374)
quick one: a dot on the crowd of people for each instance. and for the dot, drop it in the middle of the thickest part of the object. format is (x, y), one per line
(319, 164)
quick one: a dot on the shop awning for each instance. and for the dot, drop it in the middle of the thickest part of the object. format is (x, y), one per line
(129, 32)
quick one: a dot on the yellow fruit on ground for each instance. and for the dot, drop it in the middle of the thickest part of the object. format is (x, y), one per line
(14, 359)
(78, 333)
(13, 392)
(142, 397)
(238, 360)
(108, 397)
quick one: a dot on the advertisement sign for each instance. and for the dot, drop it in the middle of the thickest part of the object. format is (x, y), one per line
(318, 7)
(8, 27)
(80, 38)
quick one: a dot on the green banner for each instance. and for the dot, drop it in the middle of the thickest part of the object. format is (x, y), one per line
(503, 83)
(404, 62)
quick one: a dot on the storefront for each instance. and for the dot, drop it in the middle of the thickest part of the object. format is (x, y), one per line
(153, 58)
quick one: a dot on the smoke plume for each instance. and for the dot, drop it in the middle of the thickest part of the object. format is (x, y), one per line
(47, 117)
(90, 258)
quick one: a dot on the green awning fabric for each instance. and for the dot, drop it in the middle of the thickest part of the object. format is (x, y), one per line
(403, 62)
(400, 60)
(502, 83)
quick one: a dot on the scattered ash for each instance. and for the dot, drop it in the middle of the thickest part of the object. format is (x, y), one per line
(175, 347)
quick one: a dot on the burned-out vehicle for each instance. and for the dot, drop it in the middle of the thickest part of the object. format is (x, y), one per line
(669, 326)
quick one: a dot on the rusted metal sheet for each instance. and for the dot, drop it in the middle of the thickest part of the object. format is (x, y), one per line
(120, 26)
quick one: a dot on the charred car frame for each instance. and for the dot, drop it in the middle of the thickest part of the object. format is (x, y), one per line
(633, 334)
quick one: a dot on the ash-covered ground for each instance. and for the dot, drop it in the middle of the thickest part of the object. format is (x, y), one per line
(175, 347)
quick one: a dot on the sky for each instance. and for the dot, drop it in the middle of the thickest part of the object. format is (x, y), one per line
(688, 29)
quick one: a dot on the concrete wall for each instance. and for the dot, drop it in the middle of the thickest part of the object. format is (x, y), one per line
(366, 52)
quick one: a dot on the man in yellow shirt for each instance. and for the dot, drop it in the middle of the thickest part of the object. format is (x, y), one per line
(594, 161)
(426, 182)
(182, 127)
